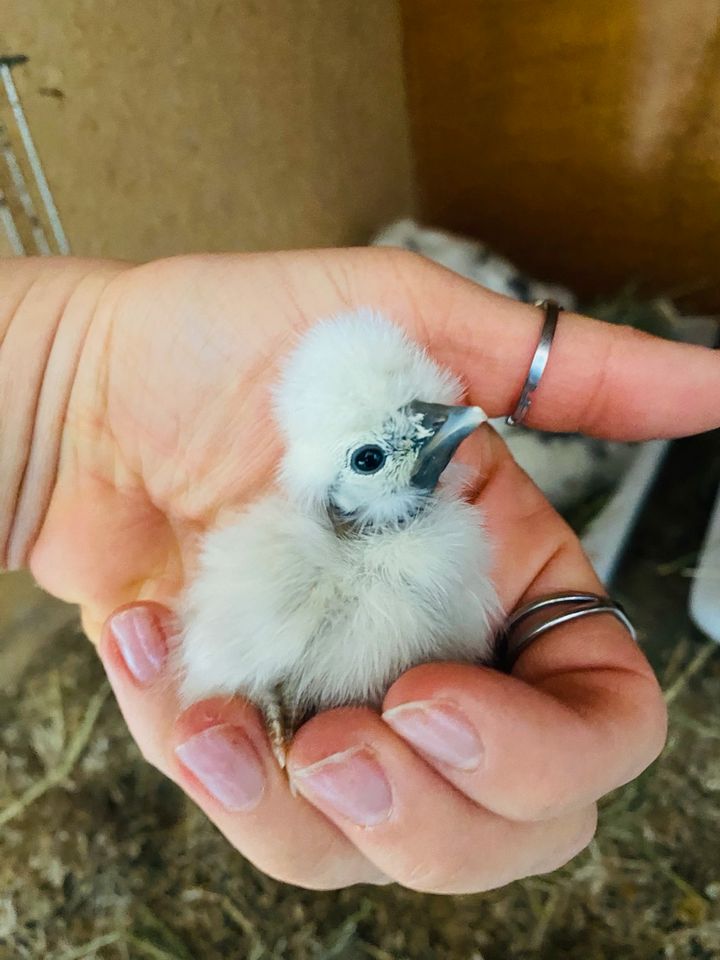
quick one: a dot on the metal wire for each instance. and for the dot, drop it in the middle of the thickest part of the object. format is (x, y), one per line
(8, 222)
(20, 186)
(33, 159)
(21, 194)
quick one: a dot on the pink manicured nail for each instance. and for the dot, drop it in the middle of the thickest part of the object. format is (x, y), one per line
(141, 643)
(225, 763)
(351, 782)
(438, 730)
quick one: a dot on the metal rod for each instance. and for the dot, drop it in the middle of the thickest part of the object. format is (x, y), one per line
(23, 194)
(8, 222)
(33, 158)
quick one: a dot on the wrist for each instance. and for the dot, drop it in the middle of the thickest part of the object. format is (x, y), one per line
(46, 309)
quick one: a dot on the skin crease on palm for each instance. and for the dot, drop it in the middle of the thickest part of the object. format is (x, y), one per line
(168, 425)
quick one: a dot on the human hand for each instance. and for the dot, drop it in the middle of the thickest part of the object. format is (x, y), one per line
(168, 425)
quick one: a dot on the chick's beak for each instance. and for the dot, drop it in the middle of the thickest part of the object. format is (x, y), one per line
(448, 427)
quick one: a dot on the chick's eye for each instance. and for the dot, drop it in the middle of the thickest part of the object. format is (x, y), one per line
(367, 459)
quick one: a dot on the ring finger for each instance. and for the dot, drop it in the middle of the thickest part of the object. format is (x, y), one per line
(409, 821)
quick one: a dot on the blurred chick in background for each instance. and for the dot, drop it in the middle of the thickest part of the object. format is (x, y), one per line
(363, 564)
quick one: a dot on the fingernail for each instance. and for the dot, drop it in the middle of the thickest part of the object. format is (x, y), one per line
(225, 763)
(351, 782)
(438, 730)
(140, 642)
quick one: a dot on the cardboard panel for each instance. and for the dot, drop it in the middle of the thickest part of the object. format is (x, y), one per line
(582, 139)
(215, 124)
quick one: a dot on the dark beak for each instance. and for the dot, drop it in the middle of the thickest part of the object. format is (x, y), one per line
(448, 427)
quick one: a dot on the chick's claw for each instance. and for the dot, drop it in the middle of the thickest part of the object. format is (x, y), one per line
(281, 724)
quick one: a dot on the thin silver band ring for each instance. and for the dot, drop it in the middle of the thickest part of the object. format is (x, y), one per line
(538, 362)
(516, 638)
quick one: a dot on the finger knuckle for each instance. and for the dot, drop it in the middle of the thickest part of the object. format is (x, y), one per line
(433, 876)
(655, 722)
(296, 876)
(545, 801)
(578, 835)
(316, 867)
(649, 723)
(153, 756)
(406, 261)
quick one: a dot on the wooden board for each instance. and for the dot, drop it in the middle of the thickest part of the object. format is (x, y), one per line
(582, 139)
(215, 124)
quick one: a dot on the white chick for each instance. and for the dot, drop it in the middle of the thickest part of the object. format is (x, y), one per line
(359, 566)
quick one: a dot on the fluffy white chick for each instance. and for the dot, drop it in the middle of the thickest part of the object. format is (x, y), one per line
(360, 565)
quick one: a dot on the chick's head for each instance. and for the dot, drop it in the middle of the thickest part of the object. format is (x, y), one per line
(369, 420)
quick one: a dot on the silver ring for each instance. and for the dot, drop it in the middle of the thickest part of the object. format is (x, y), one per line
(538, 363)
(523, 627)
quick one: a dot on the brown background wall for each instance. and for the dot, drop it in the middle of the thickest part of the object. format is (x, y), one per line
(183, 125)
(582, 138)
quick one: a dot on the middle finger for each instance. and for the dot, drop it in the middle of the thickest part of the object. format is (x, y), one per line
(409, 821)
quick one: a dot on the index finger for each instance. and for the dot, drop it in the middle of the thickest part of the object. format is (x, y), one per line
(601, 379)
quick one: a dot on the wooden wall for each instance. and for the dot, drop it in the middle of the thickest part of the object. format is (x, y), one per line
(180, 125)
(581, 138)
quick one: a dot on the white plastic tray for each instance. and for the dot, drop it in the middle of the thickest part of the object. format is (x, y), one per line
(705, 590)
(606, 536)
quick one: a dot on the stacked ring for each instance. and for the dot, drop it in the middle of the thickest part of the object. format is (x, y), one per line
(526, 624)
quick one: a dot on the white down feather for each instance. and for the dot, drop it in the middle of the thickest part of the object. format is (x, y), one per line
(281, 597)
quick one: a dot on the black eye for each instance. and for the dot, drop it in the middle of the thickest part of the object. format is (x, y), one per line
(367, 459)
